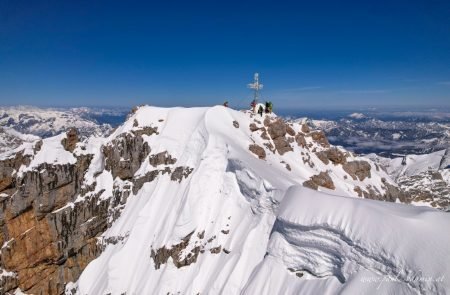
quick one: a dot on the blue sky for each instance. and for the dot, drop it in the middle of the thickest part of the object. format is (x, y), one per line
(308, 53)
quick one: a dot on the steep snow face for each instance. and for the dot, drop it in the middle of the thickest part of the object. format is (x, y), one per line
(324, 244)
(213, 224)
(49, 122)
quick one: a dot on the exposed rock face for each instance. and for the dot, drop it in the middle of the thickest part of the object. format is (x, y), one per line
(428, 186)
(176, 252)
(236, 124)
(357, 169)
(290, 131)
(277, 129)
(320, 138)
(333, 154)
(46, 248)
(253, 127)
(257, 150)
(70, 142)
(322, 179)
(282, 145)
(300, 139)
(125, 155)
(305, 128)
(180, 172)
(49, 238)
(7, 168)
(162, 158)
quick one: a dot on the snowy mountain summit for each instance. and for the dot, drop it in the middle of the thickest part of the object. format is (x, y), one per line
(211, 201)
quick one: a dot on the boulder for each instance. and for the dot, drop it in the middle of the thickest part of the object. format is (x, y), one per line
(305, 128)
(321, 179)
(282, 145)
(290, 131)
(320, 138)
(357, 169)
(300, 139)
(257, 150)
(277, 129)
(70, 142)
(333, 154)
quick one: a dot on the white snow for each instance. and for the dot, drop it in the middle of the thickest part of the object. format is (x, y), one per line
(357, 115)
(346, 245)
(396, 136)
(258, 211)
(52, 152)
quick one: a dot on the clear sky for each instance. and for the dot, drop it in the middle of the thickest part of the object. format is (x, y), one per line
(308, 53)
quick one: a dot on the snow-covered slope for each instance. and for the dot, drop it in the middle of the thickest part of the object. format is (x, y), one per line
(218, 201)
(323, 244)
(210, 232)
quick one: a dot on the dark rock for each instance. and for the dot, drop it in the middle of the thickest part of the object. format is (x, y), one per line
(277, 129)
(322, 179)
(300, 139)
(320, 138)
(333, 154)
(305, 128)
(264, 135)
(282, 145)
(357, 169)
(257, 150)
(290, 131)
(215, 250)
(180, 172)
(162, 158)
(124, 155)
(236, 124)
(70, 142)
(253, 127)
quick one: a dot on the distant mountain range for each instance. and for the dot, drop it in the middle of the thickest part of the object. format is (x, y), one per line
(389, 137)
(21, 124)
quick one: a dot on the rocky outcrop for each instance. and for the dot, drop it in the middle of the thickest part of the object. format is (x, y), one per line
(282, 145)
(7, 169)
(162, 158)
(305, 128)
(257, 150)
(70, 141)
(426, 187)
(276, 129)
(50, 218)
(332, 154)
(47, 242)
(180, 259)
(300, 140)
(125, 154)
(180, 172)
(322, 179)
(357, 169)
(319, 137)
